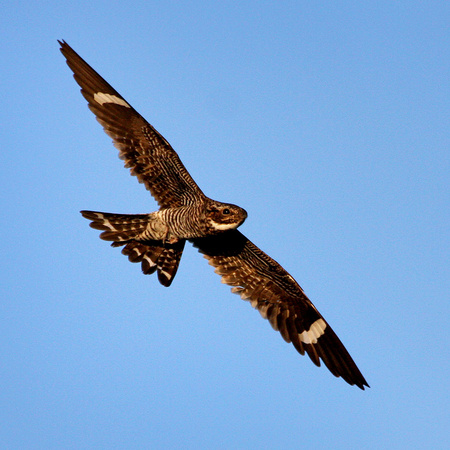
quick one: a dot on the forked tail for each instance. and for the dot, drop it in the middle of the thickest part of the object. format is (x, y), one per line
(127, 229)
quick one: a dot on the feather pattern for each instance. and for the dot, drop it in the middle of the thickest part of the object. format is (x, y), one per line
(259, 279)
(144, 151)
(154, 256)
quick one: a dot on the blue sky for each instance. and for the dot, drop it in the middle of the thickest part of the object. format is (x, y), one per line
(329, 124)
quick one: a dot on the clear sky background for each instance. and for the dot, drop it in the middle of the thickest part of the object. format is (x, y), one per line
(329, 123)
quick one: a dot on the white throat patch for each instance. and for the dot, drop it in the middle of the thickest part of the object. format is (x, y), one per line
(223, 226)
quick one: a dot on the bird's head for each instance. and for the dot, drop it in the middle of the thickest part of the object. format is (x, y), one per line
(224, 216)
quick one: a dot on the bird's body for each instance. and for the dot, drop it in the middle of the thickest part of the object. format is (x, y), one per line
(169, 225)
(156, 240)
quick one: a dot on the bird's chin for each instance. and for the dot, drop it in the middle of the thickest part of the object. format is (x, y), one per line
(220, 227)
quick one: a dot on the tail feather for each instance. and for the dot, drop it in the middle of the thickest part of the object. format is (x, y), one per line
(117, 227)
(154, 255)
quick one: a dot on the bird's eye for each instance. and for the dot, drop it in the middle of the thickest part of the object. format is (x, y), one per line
(226, 211)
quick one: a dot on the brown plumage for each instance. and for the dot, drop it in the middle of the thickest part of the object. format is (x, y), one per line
(156, 240)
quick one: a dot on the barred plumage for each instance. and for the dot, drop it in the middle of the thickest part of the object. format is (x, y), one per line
(164, 259)
(156, 240)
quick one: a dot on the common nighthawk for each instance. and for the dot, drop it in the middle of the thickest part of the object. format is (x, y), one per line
(157, 240)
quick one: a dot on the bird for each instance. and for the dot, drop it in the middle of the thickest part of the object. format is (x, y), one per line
(156, 240)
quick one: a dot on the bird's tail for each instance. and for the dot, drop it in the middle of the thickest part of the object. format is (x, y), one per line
(127, 229)
(117, 227)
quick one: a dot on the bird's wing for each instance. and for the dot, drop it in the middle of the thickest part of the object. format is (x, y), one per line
(270, 289)
(145, 152)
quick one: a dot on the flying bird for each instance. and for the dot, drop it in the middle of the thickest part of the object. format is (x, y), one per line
(156, 240)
